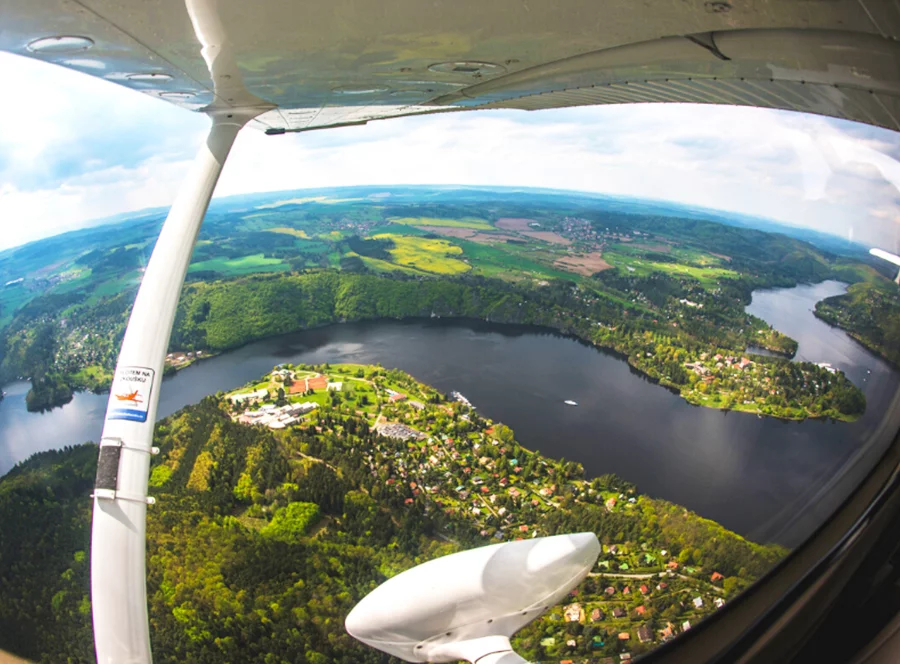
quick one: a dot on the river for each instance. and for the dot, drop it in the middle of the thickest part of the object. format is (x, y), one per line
(766, 479)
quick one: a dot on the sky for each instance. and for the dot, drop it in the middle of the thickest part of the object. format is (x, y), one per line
(74, 149)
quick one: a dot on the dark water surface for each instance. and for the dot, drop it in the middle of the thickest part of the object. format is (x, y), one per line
(764, 478)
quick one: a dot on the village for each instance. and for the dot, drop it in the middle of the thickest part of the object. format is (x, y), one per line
(437, 450)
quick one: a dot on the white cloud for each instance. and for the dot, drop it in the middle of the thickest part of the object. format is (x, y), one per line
(73, 149)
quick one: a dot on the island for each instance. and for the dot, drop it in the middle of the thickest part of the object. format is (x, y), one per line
(281, 504)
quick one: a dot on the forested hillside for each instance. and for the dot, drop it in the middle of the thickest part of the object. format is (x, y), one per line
(262, 541)
(659, 334)
(870, 312)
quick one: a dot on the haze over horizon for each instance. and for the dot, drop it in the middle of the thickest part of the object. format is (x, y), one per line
(288, 195)
(75, 150)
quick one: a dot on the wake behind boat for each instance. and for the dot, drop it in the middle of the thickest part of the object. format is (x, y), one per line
(569, 402)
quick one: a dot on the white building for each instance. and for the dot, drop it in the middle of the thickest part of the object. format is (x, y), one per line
(259, 394)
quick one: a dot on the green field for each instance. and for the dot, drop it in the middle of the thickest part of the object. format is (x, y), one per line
(490, 261)
(115, 286)
(11, 298)
(241, 266)
(378, 265)
(464, 222)
(641, 267)
(93, 377)
(289, 231)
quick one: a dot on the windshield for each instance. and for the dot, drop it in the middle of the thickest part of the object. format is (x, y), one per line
(672, 325)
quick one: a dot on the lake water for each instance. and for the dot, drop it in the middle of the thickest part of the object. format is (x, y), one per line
(764, 478)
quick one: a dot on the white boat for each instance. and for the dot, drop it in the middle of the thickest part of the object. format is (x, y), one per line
(569, 402)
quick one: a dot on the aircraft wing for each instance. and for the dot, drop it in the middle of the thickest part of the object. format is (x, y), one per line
(317, 64)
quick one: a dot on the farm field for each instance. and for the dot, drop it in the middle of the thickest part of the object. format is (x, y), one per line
(435, 256)
(463, 222)
(240, 266)
(290, 231)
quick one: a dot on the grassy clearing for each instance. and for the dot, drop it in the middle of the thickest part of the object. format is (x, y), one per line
(707, 276)
(435, 256)
(378, 265)
(115, 286)
(490, 261)
(289, 231)
(93, 377)
(464, 222)
(242, 265)
(12, 298)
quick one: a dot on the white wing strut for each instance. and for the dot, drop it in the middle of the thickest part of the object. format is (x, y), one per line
(118, 574)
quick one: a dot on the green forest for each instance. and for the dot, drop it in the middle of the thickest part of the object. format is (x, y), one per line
(261, 541)
(217, 316)
(870, 313)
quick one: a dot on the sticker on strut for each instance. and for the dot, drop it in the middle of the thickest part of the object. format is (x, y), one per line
(130, 394)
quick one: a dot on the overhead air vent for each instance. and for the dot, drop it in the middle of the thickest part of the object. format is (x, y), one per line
(359, 89)
(476, 69)
(150, 77)
(60, 45)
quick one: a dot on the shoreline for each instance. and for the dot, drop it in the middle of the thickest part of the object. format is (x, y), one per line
(606, 349)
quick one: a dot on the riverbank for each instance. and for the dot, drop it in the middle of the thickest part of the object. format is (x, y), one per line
(696, 388)
(519, 375)
(668, 345)
(891, 358)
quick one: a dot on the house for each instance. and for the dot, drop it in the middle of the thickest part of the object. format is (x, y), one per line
(671, 565)
(624, 636)
(641, 610)
(698, 602)
(619, 612)
(644, 589)
(597, 615)
(719, 602)
(625, 657)
(573, 613)
(394, 398)
(716, 577)
(610, 504)
(571, 643)
(686, 625)
(744, 363)
(645, 634)
(662, 586)
(610, 591)
(626, 590)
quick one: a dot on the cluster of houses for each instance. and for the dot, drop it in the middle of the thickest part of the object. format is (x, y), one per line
(399, 432)
(178, 359)
(721, 362)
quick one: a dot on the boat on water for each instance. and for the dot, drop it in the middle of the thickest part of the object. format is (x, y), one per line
(569, 402)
